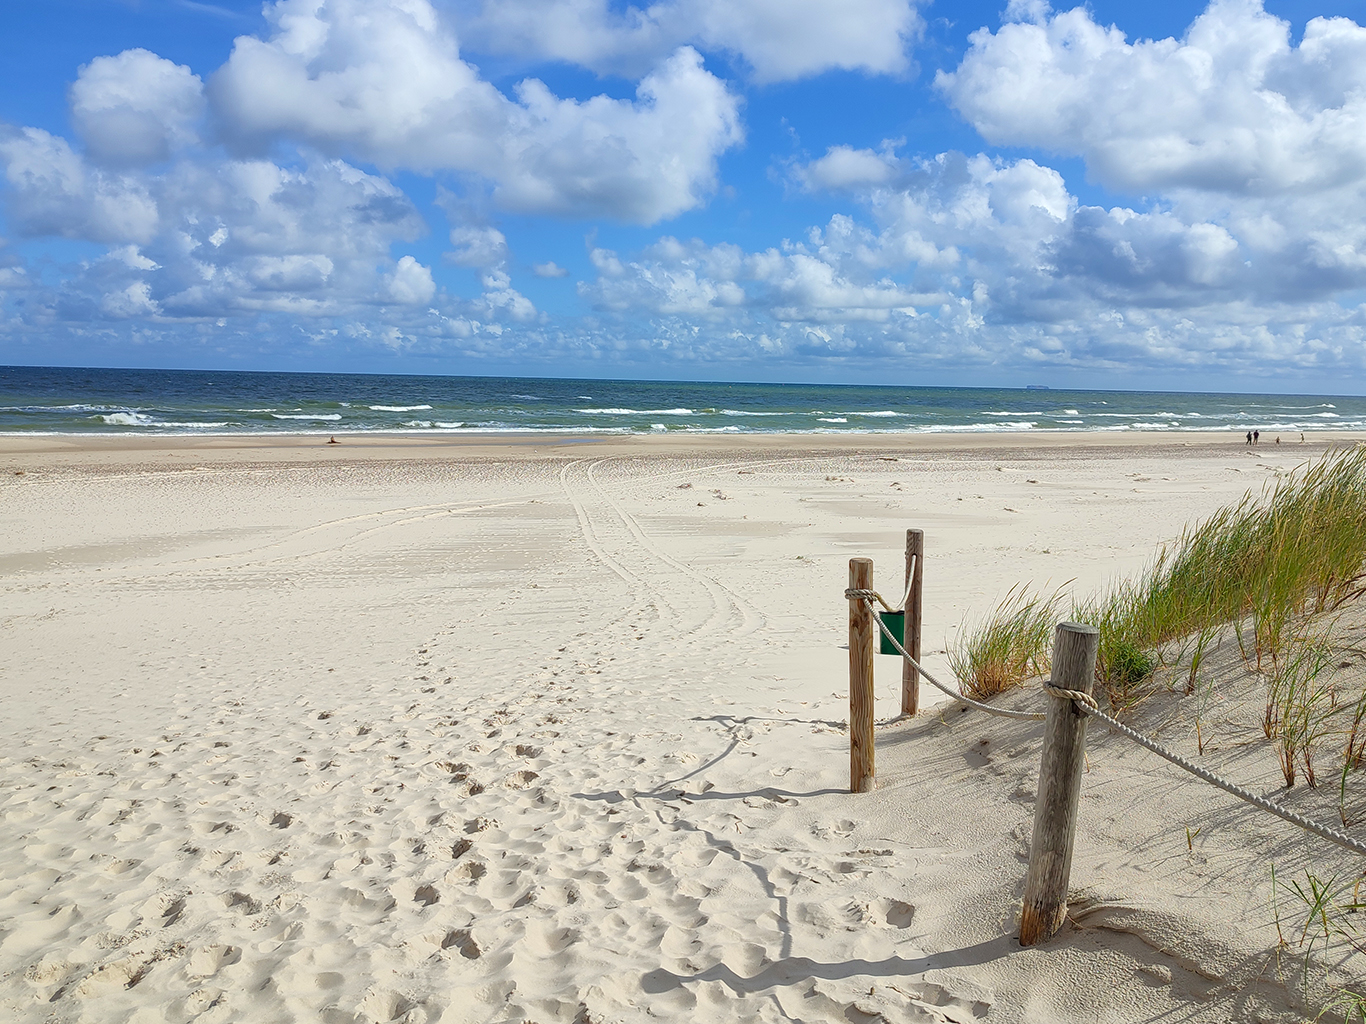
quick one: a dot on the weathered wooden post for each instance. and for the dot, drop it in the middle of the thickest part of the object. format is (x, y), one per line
(910, 675)
(861, 633)
(1055, 808)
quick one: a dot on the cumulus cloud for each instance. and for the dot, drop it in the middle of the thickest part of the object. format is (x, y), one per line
(1244, 154)
(499, 295)
(779, 39)
(411, 283)
(1231, 107)
(383, 80)
(1002, 253)
(199, 239)
(135, 108)
(53, 191)
(843, 167)
(477, 246)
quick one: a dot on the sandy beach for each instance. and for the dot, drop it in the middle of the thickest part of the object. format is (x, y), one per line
(552, 729)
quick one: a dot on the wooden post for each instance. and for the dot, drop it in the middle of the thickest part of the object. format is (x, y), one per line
(910, 675)
(1055, 808)
(861, 635)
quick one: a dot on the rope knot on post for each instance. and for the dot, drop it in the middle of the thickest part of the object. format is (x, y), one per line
(858, 594)
(1080, 696)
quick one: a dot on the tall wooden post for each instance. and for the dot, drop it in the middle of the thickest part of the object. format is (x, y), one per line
(910, 675)
(1055, 808)
(861, 635)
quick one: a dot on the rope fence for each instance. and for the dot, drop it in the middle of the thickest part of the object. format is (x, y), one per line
(1025, 716)
(1070, 706)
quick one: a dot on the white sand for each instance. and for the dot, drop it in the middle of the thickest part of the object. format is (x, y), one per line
(537, 730)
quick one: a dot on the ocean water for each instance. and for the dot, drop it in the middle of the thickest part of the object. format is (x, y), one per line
(37, 400)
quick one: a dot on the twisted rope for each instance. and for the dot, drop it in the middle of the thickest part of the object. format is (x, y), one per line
(1324, 831)
(1079, 696)
(1086, 704)
(867, 596)
(855, 594)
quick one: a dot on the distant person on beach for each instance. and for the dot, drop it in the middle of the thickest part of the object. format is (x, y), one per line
(1256, 437)
(333, 440)
(1249, 437)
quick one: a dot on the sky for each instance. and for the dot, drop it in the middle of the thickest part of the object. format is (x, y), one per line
(1121, 195)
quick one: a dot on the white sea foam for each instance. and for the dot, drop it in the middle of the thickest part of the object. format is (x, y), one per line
(833, 419)
(128, 419)
(399, 408)
(882, 413)
(76, 407)
(330, 416)
(637, 412)
(974, 428)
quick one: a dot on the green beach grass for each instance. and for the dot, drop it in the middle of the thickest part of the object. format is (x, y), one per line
(1268, 566)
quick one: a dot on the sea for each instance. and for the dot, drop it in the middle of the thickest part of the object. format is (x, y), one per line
(45, 400)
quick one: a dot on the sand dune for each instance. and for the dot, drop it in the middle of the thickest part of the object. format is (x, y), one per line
(555, 732)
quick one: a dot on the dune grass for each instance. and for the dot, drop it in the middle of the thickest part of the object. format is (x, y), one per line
(1262, 565)
(1271, 571)
(1011, 646)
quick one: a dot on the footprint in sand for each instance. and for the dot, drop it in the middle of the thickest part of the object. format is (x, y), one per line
(893, 913)
(459, 939)
(242, 903)
(383, 1005)
(466, 871)
(207, 961)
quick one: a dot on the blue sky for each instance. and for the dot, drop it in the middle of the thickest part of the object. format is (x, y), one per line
(1119, 195)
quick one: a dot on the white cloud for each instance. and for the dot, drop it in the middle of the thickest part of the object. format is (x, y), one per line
(135, 108)
(411, 283)
(1249, 152)
(296, 273)
(779, 39)
(477, 246)
(383, 79)
(54, 192)
(500, 295)
(134, 300)
(1232, 107)
(199, 239)
(845, 168)
(971, 260)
